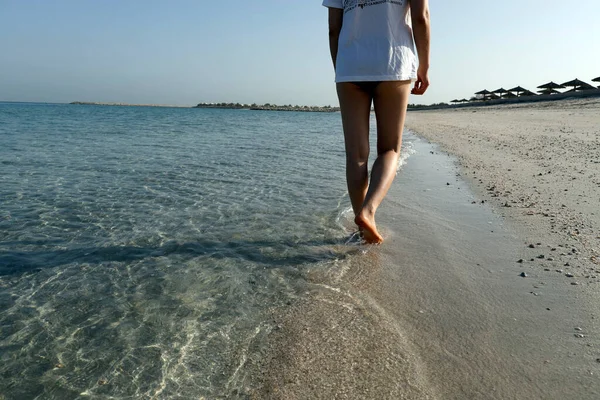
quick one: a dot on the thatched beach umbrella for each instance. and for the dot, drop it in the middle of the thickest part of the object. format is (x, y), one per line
(578, 85)
(527, 93)
(509, 95)
(464, 100)
(575, 83)
(455, 101)
(517, 90)
(551, 86)
(585, 86)
(483, 93)
(500, 91)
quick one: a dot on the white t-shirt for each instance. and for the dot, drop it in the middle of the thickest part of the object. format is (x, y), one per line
(376, 41)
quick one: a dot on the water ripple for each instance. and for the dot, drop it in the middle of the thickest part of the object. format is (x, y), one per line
(141, 247)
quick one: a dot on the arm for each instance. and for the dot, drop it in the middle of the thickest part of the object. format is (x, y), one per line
(336, 16)
(419, 10)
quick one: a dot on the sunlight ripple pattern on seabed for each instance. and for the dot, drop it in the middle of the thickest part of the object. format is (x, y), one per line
(141, 248)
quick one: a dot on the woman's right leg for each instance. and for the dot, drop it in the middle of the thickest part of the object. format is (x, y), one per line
(355, 106)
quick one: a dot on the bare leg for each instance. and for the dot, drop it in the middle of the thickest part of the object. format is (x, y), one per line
(390, 100)
(355, 105)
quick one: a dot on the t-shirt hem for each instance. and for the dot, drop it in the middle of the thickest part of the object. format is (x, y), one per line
(375, 78)
(333, 4)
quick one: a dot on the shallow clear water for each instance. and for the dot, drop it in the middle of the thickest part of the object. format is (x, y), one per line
(142, 248)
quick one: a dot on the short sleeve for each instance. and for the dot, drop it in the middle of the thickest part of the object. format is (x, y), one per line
(334, 3)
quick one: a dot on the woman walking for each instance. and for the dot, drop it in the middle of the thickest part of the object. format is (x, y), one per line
(372, 46)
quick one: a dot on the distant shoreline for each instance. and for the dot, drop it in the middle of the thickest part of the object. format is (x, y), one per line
(237, 106)
(411, 107)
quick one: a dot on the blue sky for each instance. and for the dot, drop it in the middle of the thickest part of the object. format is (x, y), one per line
(189, 51)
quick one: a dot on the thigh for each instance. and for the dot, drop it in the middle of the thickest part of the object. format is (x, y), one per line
(355, 106)
(391, 100)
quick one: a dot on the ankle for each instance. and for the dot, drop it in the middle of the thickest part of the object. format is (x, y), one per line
(368, 211)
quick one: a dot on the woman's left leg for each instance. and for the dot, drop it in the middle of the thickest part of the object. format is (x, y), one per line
(390, 100)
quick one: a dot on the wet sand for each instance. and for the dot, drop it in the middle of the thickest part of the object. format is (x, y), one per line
(485, 287)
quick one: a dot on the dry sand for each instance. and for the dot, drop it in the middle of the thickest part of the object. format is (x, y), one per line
(440, 310)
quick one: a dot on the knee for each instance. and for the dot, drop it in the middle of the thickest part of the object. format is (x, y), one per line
(357, 159)
(356, 165)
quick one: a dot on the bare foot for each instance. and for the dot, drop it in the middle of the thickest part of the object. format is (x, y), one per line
(367, 226)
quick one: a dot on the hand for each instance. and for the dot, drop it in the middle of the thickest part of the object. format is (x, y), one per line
(422, 82)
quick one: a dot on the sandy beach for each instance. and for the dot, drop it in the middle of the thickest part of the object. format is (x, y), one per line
(487, 285)
(538, 163)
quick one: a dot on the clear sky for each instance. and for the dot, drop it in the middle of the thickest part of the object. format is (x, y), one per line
(190, 51)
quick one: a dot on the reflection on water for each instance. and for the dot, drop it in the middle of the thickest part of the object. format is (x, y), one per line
(141, 247)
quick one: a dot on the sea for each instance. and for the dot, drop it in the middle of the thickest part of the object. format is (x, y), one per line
(143, 249)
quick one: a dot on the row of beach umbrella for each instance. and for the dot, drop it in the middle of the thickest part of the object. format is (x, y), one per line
(547, 88)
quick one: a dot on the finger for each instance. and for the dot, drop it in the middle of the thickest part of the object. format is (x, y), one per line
(423, 85)
(418, 88)
(417, 85)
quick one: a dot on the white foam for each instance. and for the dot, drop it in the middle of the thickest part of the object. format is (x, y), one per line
(407, 151)
(345, 218)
